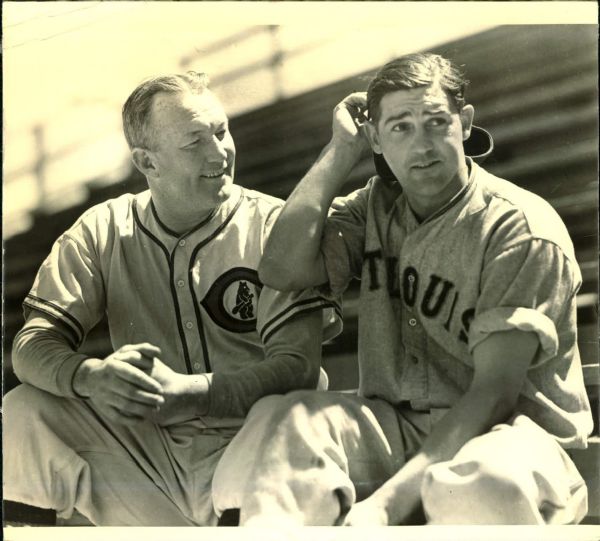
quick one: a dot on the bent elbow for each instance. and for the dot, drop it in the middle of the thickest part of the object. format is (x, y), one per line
(275, 276)
(17, 359)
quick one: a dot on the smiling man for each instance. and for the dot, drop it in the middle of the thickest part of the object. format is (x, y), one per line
(471, 385)
(133, 439)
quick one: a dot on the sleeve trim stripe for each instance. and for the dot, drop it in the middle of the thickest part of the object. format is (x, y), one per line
(297, 313)
(306, 305)
(56, 312)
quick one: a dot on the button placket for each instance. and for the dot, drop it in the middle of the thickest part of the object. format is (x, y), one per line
(415, 381)
(187, 312)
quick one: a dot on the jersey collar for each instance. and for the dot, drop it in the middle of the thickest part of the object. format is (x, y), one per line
(412, 221)
(147, 217)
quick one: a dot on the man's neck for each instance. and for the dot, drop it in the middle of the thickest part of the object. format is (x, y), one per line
(178, 220)
(425, 207)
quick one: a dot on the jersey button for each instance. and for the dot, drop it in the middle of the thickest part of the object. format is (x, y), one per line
(189, 325)
(197, 366)
(182, 242)
(412, 322)
(180, 283)
(411, 278)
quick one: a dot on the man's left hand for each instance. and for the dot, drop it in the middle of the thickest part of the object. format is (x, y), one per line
(185, 395)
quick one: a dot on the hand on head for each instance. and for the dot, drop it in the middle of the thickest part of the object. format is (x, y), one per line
(349, 117)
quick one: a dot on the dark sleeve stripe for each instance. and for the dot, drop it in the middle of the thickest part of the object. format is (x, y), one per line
(69, 338)
(75, 339)
(306, 305)
(57, 312)
(266, 335)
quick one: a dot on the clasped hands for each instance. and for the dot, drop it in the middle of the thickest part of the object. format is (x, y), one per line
(133, 384)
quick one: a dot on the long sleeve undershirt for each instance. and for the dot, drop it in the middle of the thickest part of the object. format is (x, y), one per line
(44, 358)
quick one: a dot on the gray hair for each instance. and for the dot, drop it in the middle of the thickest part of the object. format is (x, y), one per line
(137, 108)
(416, 71)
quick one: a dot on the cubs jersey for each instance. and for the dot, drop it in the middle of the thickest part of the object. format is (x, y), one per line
(495, 258)
(197, 296)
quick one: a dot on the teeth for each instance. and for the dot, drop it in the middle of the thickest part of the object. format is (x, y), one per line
(213, 175)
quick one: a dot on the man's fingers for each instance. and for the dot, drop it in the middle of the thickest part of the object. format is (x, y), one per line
(137, 359)
(144, 348)
(134, 394)
(130, 408)
(356, 99)
(140, 379)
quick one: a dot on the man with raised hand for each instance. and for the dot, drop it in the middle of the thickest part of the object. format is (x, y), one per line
(471, 385)
(133, 439)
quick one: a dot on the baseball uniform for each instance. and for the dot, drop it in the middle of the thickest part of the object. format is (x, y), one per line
(197, 296)
(494, 258)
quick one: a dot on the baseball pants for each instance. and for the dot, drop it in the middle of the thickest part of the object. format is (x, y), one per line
(59, 453)
(320, 452)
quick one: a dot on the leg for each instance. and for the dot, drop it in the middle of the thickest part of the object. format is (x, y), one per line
(60, 454)
(515, 474)
(304, 458)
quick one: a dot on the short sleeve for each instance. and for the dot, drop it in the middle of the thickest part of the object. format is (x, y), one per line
(275, 308)
(344, 239)
(69, 288)
(530, 287)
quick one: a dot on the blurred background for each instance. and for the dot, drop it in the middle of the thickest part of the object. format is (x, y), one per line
(69, 66)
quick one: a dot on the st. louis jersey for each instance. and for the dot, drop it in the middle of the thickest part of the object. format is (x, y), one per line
(495, 258)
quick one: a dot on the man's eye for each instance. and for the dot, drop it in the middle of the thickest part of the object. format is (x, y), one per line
(437, 121)
(401, 127)
(193, 144)
(221, 134)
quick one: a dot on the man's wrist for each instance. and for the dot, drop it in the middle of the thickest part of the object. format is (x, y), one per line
(343, 156)
(201, 394)
(81, 378)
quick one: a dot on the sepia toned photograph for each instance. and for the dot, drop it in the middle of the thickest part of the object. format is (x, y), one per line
(277, 265)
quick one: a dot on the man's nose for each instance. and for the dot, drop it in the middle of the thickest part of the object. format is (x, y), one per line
(217, 151)
(422, 141)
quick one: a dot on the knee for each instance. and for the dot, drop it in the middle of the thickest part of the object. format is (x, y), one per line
(477, 492)
(300, 405)
(24, 405)
(22, 397)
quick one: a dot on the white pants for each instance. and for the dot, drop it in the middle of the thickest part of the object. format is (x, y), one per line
(307, 457)
(61, 454)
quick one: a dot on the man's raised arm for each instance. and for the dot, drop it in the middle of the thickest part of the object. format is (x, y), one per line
(292, 258)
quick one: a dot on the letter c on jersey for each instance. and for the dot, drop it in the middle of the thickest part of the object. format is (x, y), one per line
(232, 300)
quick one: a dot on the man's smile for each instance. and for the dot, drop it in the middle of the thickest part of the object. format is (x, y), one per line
(425, 164)
(213, 174)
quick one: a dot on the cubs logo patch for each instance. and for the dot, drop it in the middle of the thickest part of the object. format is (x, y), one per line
(232, 300)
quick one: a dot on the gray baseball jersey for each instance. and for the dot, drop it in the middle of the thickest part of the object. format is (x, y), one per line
(197, 296)
(496, 257)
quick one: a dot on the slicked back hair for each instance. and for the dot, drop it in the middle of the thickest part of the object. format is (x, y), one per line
(416, 71)
(137, 108)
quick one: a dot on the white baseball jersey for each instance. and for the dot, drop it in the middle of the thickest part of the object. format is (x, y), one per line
(197, 296)
(496, 257)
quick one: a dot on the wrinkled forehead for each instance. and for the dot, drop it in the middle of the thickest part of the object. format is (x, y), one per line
(177, 110)
(416, 100)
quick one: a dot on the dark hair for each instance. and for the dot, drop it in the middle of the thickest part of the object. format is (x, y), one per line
(136, 111)
(415, 71)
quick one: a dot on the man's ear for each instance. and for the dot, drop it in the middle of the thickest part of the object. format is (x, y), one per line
(372, 136)
(466, 119)
(144, 160)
